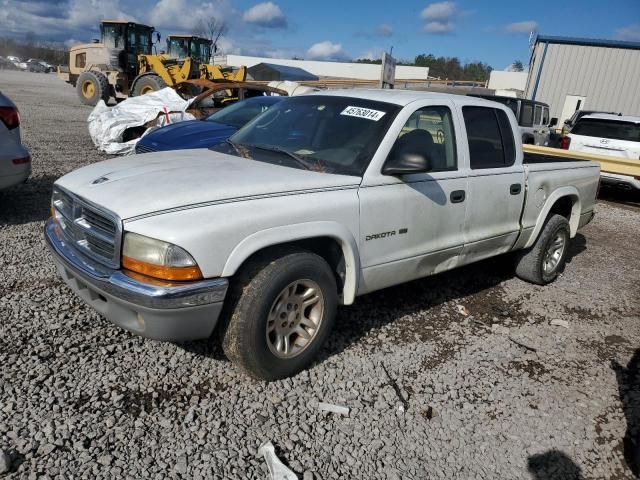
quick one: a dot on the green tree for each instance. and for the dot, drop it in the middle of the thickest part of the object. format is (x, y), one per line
(517, 66)
(451, 68)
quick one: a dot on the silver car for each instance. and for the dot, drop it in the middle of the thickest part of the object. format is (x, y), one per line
(15, 160)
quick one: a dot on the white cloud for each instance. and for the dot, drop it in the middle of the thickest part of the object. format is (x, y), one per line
(89, 13)
(326, 51)
(439, 17)
(521, 27)
(167, 15)
(438, 27)
(372, 54)
(442, 11)
(384, 30)
(630, 33)
(266, 14)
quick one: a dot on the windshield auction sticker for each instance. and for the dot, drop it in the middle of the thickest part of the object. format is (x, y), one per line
(360, 112)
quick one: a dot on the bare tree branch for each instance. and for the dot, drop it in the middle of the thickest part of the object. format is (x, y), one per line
(212, 29)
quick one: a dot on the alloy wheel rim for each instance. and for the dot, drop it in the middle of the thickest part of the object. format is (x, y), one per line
(295, 318)
(554, 253)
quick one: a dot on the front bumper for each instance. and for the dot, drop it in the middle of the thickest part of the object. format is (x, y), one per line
(177, 312)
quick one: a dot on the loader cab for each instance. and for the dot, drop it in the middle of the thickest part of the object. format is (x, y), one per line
(183, 46)
(125, 41)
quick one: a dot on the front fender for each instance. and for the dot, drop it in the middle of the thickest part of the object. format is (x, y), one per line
(301, 231)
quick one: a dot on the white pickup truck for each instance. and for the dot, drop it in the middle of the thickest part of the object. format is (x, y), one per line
(320, 199)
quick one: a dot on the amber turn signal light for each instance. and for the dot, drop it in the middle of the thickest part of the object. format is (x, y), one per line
(180, 274)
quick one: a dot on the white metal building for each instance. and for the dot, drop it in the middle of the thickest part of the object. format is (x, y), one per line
(503, 80)
(573, 74)
(360, 71)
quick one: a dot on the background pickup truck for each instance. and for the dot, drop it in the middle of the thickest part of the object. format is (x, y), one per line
(320, 199)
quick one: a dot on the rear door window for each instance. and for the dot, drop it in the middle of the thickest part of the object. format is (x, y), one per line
(526, 115)
(538, 115)
(490, 137)
(611, 129)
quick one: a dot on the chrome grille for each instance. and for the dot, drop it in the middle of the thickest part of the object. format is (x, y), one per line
(140, 148)
(94, 232)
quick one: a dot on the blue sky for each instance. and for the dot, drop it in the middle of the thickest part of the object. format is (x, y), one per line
(494, 32)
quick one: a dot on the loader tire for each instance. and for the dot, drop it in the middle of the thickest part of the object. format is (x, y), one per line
(147, 84)
(544, 261)
(92, 87)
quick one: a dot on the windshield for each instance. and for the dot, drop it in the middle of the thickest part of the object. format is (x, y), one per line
(200, 51)
(612, 129)
(178, 48)
(321, 133)
(240, 113)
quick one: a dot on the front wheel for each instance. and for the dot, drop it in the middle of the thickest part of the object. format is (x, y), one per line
(92, 87)
(282, 309)
(543, 262)
(147, 83)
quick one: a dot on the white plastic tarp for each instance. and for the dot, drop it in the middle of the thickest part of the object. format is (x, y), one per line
(292, 88)
(107, 124)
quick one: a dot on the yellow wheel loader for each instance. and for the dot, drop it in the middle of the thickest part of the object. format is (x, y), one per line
(123, 64)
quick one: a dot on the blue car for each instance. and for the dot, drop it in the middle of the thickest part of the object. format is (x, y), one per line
(205, 133)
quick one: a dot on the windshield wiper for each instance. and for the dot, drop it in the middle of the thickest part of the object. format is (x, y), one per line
(234, 145)
(274, 148)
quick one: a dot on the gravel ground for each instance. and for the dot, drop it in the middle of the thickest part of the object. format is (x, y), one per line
(432, 392)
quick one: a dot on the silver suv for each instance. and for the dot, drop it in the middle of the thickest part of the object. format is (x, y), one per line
(15, 160)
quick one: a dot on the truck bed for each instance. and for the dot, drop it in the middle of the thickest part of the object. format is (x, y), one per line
(621, 166)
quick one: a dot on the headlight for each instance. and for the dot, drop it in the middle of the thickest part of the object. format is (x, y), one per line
(158, 259)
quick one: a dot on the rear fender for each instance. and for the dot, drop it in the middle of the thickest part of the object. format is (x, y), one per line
(574, 220)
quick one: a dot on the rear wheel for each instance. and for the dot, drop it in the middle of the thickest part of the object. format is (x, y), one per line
(93, 87)
(147, 84)
(543, 262)
(282, 309)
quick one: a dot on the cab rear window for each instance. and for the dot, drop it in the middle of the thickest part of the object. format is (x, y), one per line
(612, 129)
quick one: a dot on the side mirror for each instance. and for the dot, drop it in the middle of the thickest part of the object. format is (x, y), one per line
(406, 163)
(553, 122)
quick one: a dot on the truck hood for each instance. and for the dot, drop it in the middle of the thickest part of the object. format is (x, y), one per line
(151, 183)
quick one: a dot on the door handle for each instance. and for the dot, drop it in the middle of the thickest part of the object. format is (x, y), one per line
(515, 189)
(457, 196)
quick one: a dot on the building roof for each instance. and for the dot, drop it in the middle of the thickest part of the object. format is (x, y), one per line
(286, 72)
(587, 42)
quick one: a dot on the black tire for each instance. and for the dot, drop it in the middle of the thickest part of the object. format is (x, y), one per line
(147, 83)
(92, 87)
(252, 298)
(530, 263)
